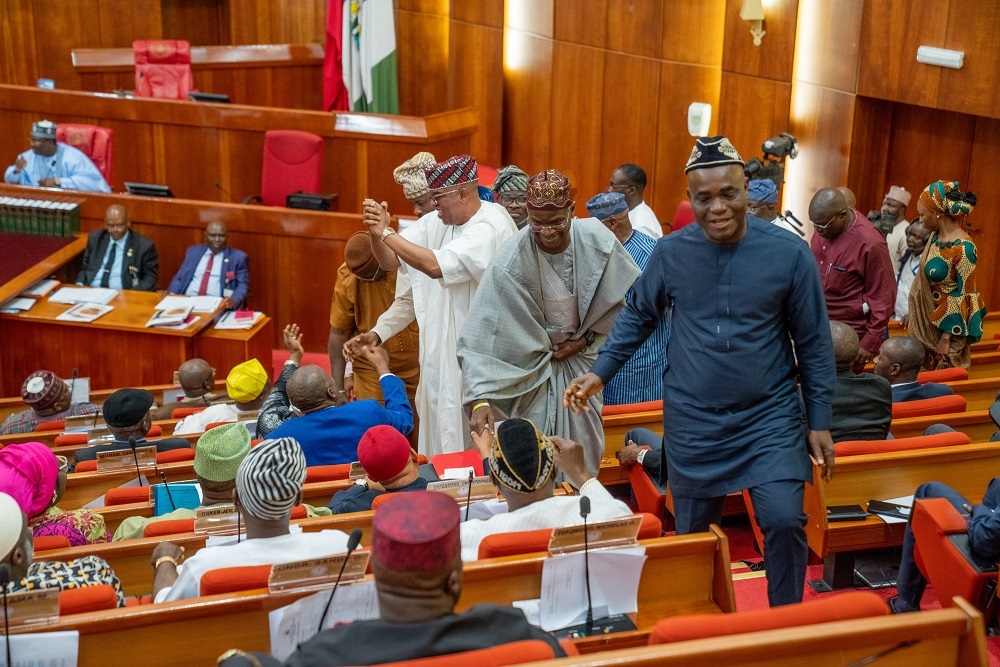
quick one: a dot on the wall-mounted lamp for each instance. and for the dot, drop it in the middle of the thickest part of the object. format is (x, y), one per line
(753, 12)
(930, 55)
(699, 119)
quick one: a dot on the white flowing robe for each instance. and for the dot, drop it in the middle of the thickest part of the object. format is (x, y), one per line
(70, 165)
(440, 306)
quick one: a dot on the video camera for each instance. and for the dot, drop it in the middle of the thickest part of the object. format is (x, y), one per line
(883, 223)
(775, 149)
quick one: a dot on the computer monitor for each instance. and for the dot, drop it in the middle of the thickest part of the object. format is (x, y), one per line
(218, 98)
(148, 190)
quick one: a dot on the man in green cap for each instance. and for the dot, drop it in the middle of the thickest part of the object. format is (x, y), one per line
(217, 457)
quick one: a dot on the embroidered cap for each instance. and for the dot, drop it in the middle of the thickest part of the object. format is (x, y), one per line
(411, 175)
(383, 452)
(606, 204)
(900, 194)
(43, 129)
(453, 171)
(270, 477)
(41, 389)
(521, 458)
(712, 152)
(549, 190)
(417, 531)
(220, 451)
(246, 381)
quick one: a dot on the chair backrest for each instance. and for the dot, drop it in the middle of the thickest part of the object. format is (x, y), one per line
(234, 579)
(96, 142)
(162, 68)
(168, 527)
(293, 161)
(330, 473)
(87, 599)
(214, 424)
(181, 413)
(853, 604)
(463, 459)
(171, 456)
(57, 425)
(857, 447)
(943, 375)
(514, 653)
(683, 216)
(535, 541)
(648, 496)
(50, 542)
(939, 405)
(126, 495)
(629, 408)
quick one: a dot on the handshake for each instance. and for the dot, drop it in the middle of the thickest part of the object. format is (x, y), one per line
(366, 347)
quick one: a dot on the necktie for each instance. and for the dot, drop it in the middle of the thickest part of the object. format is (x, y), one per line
(203, 290)
(108, 265)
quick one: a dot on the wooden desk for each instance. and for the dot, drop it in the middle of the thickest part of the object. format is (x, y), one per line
(193, 146)
(117, 349)
(268, 75)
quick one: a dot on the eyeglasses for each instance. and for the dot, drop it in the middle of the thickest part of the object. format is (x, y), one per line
(822, 227)
(63, 463)
(556, 227)
(759, 206)
(436, 198)
(507, 200)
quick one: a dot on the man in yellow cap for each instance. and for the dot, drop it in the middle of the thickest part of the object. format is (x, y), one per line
(247, 384)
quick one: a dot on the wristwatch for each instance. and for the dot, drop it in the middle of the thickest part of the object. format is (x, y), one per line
(388, 231)
(590, 337)
(361, 482)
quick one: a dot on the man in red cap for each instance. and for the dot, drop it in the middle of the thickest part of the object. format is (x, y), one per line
(390, 465)
(417, 563)
(48, 399)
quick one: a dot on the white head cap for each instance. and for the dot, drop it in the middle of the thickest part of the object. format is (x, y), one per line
(11, 524)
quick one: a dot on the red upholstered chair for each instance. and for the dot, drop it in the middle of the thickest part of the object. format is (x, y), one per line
(940, 405)
(50, 542)
(175, 456)
(87, 599)
(534, 541)
(943, 375)
(631, 408)
(683, 216)
(943, 553)
(330, 473)
(857, 447)
(96, 142)
(648, 496)
(57, 425)
(463, 459)
(162, 68)
(181, 413)
(514, 653)
(234, 579)
(214, 424)
(126, 495)
(293, 161)
(842, 607)
(168, 527)
(76, 439)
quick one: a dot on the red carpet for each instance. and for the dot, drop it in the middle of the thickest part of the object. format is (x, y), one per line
(19, 252)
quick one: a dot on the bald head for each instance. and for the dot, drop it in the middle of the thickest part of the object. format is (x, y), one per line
(829, 213)
(845, 344)
(900, 359)
(116, 221)
(196, 377)
(216, 237)
(311, 388)
(849, 197)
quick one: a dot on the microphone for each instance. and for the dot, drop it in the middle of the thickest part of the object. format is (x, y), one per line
(135, 458)
(166, 486)
(4, 580)
(226, 192)
(468, 497)
(72, 383)
(584, 511)
(352, 543)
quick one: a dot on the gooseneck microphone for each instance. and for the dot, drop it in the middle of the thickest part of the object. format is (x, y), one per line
(4, 581)
(468, 497)
(226, 192)
(72, 383)
(584, 511)
(352, 543)
(135, 458)
(166, 486)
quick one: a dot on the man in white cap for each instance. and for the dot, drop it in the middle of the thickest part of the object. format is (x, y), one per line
(53, 164)
(268, 484)
(17, 549)
(48, 399)
(894, 207)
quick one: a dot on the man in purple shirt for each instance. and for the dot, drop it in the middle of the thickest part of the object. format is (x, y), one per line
(854, 264)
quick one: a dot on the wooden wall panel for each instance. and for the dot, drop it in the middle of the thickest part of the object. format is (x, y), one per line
(984, 180)
(476, 57)
(869, 150)
(751, 110)
(829, 57)
(773, 58)
(631, 91)
(634, 27)
(528, 95)
(975, 29)
(484, 12)
(18, 58)
(701, 18)
(927, 145)
(201, 22)
(422, 61)
(579, 27)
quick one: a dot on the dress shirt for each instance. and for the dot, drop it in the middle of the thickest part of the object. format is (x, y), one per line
(115, 277)
(214, 284)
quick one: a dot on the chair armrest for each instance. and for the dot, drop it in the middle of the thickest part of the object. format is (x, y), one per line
(941, 514)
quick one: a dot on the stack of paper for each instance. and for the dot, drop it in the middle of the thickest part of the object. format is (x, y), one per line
(41, 288)
(230, 320)
(198, 304)
(16, 305)
(85, 312)
(83, 295)
(170, 317)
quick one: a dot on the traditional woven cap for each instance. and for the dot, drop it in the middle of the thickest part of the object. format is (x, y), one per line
(900, 194)
(521, 458)
(510, 179)
(127, 407)
(712, 152)
(763, 190)
(220, 451)
(270, 477)
(11, 524)
(606, 204)
(246, 381)
(28, 474)
(41, 389)
(43, 129)
(358, 255)
(453, 171)
(549, 190)
(411, 175)
(945, 197)
(416, 532)
(383, 452)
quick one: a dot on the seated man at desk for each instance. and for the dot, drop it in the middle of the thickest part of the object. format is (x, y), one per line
(118, 257)
(127, 414)
(52, 164)
(246, 385)
(196, 378)
(390, 465)
(213, 268)
(48, 399)
(899, 361)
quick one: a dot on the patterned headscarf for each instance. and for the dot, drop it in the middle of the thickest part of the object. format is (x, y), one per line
(945, 198)
(28, 473)
(270, 477)
(411, 176)
(549, 191)
(510, 178)
(453, 171)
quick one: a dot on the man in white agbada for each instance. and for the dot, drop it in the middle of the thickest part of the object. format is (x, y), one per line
(542, 310)
(52, 164)
(441, 259)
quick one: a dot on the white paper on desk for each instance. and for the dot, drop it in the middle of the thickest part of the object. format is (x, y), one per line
(299, 621)
(85, 312)
(100, 501)
(458, 473)
(614, 583)
(51, 649)
(102, 295)
(81, 389)
(484, 509)
(17, 305)
(199, 304)
(229, 321)
(40, 288)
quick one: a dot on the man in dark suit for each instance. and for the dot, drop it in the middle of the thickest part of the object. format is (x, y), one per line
(213, 268)
(127, 414)
(651, 459)
(862, 402)
(898, 361)
(118, 257)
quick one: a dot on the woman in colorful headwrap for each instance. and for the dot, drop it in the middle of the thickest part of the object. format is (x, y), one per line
(946, 314)
(36, 479)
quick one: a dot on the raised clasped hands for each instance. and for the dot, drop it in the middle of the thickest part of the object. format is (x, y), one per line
(375, 216)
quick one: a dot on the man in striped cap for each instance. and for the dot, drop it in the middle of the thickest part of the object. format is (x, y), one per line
(268, 484)
(441, 260)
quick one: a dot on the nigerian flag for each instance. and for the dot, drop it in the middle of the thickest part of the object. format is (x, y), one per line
(369, 56)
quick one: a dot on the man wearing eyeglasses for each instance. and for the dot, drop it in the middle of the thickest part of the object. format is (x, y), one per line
(543, 308)
(630, 180)
(510, 189)
(854, 264)
(762, 201)
(441, 258)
